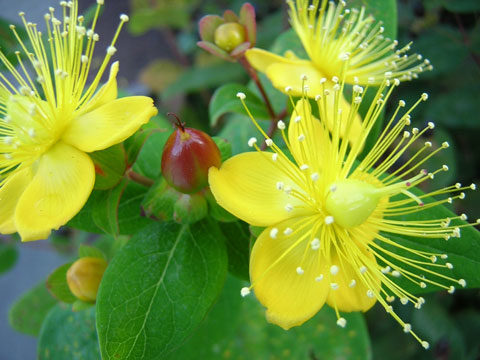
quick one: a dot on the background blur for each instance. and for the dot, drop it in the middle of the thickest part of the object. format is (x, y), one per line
(159, 57)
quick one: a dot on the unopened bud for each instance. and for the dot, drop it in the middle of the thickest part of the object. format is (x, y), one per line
(228, 36)
(187, 156)
(84, 276)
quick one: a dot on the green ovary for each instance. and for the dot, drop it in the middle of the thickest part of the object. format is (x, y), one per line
(351, 202)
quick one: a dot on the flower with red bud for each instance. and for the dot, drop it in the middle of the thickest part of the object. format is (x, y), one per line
(187, 156)
(84, 276)
(228, 37)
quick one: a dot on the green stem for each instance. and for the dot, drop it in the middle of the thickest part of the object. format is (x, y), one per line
(138, 178)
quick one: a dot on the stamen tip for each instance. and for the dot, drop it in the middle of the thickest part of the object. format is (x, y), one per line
(329, 219)
(273, 233)
(252, 141)
(241, 95)
(334, 270)
(342, 322)
(245, 291)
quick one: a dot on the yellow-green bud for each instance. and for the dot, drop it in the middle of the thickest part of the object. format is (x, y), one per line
(228, 36)
(84, 277)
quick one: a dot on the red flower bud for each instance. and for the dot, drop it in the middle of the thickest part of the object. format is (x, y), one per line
(187, 156)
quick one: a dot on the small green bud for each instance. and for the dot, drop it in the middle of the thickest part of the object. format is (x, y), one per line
(84, 276)
(228, 36)
(190, 208)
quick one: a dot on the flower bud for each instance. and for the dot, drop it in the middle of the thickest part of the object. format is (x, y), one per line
(228, 36)
(84, 276)
(187, 156)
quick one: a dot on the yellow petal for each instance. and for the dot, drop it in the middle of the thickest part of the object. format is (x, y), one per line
(261, 59)
(10, 192)
(290, 73)
(107, 93)
(246, 186)
(110, 123)
(31, 116)
(307, 137)
(354, 126)
(290, 298)
(353, 296)
(61, 185)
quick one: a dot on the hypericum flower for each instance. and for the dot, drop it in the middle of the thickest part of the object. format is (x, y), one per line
(50, 120)
(330, 34)
(331, 217)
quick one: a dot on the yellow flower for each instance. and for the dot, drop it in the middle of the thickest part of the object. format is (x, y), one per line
(330, 34)
(50, 120)
(329, 215)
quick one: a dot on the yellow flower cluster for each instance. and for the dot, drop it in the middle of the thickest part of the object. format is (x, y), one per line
(331, 216)
(50, 119)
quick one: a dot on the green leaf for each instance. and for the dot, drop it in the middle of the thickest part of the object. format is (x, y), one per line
(161, 284)
(8, 257)
(84, 220)
(200, 78)
(237, 238)
(190, 208)
(28, 312)
(456, 108)
(115, 211)
(90, 251)
(256, 230)
(105, 210)
(159, 13)
(130, 218)
(134, 144)
(469, 324)
(149, 159)
(288, 40)
(9, 43)
(58, 286)
(225, 100)
(445, 58)
(462, 6)
(110, 166)
(80, 305)
(269, 27)
(463, 253)
(382, 10)
(238, 130)
(224, 146)
(236, 328)
(160, 200)
(68, 335)
(434, 324)
(109, 245)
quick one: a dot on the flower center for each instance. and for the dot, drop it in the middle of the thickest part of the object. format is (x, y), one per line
(351, 202)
